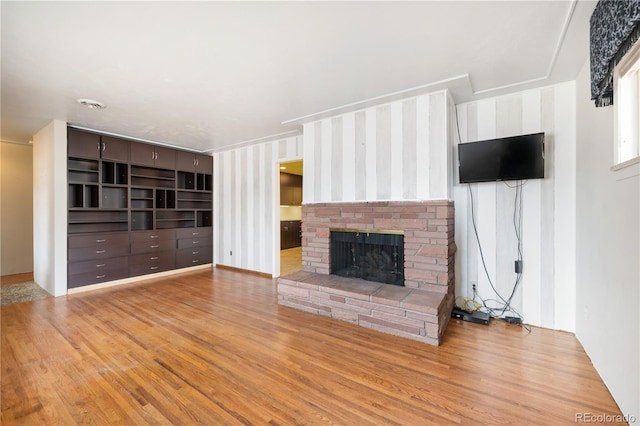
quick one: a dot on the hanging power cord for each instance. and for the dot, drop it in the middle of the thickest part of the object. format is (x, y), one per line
(502, 306)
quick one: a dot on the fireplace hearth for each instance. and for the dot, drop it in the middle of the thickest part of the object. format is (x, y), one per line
(371, 255)
(405, 281)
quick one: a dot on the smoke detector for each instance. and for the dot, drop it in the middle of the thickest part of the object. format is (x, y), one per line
(91, 104)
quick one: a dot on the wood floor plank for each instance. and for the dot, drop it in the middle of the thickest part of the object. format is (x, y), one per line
(16, 278)
(214, 347)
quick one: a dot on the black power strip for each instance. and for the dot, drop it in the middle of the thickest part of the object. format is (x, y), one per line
(513, 320)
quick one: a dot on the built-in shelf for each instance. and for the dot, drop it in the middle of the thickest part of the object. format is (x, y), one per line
(120, 190)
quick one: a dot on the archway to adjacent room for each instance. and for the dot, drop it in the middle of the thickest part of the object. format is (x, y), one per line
(290, 217)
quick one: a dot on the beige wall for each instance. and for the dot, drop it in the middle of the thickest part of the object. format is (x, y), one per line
(16, 208)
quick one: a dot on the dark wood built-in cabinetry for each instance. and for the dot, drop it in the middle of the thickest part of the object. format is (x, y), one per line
(290, 189)
(290, 195)
(135, 208)
(290, 234)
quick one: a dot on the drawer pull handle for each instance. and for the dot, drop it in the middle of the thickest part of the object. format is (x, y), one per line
(100, 276)
(153, 268)
(155, 246)
(195, 261)
(196, 242)
(100, 241)
(153, 258)
(100, 251)
(100, 265)
(195, 252)
(195, 233)
(153, 236)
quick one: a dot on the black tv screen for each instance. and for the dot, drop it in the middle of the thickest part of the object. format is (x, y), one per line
(512, 158)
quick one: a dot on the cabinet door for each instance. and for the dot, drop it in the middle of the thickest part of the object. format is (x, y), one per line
(296, 196)
(142, 154)
(204, 164)
(186, 161)
(115, 149)
(165, 158)
(82, 144)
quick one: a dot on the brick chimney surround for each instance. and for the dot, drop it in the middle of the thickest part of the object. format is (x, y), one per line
(420, 310)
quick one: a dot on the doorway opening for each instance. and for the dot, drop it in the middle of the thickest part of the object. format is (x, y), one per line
(290, 217)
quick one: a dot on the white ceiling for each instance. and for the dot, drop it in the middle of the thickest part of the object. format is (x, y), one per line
(205, 75)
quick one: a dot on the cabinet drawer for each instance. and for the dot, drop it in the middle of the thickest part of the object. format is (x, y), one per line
(106, 252)
(194, 232)
(98, 240)
(149, 263)
(194, 242)
(94, 277)
(193, 257)
(158, 235)
(153, 246)
(99, 266)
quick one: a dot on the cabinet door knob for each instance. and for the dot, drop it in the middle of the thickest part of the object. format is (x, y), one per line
(104, 146)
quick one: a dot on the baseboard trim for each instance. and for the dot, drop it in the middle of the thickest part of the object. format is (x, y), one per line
(246, 271)
(138, 279)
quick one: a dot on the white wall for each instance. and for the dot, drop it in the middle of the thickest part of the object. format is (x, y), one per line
(247, 204)
(608, 254)
(396, 151)
(50, 208)
(16, 208)
(546, 296)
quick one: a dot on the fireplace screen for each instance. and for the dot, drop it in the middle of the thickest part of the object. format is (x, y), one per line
(371, 256)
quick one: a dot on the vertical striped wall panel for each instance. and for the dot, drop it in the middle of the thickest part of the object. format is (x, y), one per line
(397, 151)
(245, 182)
(546, 293)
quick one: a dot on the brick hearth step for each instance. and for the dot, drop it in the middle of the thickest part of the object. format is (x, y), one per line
(402, 311)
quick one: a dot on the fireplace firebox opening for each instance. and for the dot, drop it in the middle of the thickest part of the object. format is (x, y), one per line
(372, 255)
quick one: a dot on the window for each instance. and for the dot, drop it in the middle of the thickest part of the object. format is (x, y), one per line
(627, 84)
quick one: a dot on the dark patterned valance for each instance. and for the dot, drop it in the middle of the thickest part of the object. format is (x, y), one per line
(615, 27)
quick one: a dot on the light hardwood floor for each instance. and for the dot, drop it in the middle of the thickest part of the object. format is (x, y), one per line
(215, 348)
(16, 278)
(290, 260)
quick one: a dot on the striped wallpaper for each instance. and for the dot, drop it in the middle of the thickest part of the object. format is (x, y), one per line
(406, 150)
(546, 296)
(245, 208)
(396, 151)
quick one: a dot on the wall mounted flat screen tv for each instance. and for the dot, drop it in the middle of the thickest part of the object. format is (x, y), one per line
(512, 158)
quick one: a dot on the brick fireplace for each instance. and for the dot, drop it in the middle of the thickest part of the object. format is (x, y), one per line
(419, 310)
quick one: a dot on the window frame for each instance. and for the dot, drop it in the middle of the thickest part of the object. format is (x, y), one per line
(630, 63)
